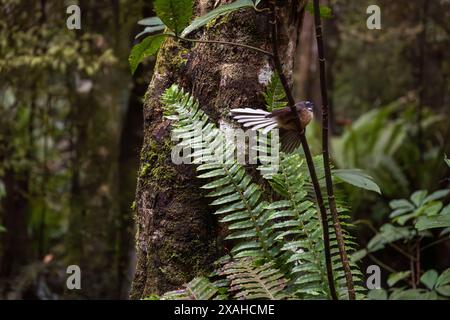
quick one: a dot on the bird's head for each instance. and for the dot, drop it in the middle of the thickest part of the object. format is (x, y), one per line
(308, 105)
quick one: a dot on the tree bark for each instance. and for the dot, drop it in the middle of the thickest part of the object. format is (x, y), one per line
(178, 237)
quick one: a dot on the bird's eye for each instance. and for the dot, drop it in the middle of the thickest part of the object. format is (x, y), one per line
(309, 105)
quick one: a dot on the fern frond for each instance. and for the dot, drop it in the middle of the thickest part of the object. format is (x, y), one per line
(267, 153)
(238, 198)
(275, 96)
(250, 281)
(302, 235)
(198, 289)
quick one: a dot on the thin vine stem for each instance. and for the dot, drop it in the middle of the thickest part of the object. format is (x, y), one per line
(308, 156)
(326, 154)
(228, 43)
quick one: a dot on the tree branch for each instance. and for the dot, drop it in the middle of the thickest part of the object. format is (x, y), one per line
(308, 156)
(326, 155)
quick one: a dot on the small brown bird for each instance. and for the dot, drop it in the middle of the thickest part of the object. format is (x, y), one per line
(283, 119)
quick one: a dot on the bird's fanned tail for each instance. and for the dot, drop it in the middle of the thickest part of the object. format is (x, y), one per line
(254, 119)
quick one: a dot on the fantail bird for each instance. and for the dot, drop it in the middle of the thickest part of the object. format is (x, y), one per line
(282, 118)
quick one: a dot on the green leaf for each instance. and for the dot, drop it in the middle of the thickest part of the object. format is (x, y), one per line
(401, 203)
(444, 232)
(440, 221)
(278, 186)
(405, 218)
(357, 178)
(149, 46)
(432, 208)
(2, 229)
(325, 12)
(152, 21)
(152, 297)
(444, 291)
(217, 12)
(377, 294)
(275, 96)
(174, 13)
(418, 197)
(388, 234)
(444, 278)
(399, 212)
(413, 294)
(436, 195)
(358, 255)
(446, 210)
(447, 160)
(397, 276)
(152, 29)
(429, 278)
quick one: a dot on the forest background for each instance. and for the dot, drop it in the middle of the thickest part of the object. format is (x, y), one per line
(71, 131)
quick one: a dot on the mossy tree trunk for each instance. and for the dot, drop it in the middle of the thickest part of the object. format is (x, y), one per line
(178, 237)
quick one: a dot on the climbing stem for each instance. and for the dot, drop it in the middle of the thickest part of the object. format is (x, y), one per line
(326, 155)
(305, 146)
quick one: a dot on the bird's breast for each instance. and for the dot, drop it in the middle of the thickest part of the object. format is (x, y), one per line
(305, 117)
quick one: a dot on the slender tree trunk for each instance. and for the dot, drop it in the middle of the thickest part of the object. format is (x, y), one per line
(94, 216)
(101, 219)
(130, 144)
(15, 248)
(178, 237)
(15, 241)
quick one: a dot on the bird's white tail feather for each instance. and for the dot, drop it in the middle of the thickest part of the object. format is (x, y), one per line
(249, 111)
(254, 118)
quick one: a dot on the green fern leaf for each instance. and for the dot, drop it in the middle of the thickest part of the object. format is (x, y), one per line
(275, 96)
(250, 281)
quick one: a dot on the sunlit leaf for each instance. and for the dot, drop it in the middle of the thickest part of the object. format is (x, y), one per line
(357, 178)
(151, 22)
(215, 13)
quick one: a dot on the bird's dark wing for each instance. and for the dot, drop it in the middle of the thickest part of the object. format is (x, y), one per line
(290, 140)
(280, 112)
